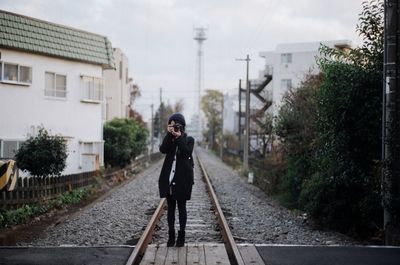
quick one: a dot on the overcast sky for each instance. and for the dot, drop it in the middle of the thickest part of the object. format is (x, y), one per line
(157, 36)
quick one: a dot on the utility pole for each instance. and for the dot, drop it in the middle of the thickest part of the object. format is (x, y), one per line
(152, 130)
(391, 120)
(240, 116)
(221, 147)
(160, 122)
(200, 37)
(247, 122)
(161, 95)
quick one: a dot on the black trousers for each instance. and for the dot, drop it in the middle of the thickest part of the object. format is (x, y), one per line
(171, 213)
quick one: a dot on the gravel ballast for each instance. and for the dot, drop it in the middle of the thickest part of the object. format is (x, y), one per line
(120, 218)
(256, 218)
(115, 220)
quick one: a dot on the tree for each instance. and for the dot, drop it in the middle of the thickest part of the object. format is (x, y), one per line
(43, 155)
(344, 191)
(162, 114)
(212, 108)
(134, 94)
(124, 139)
(263, 130)
(296, 127)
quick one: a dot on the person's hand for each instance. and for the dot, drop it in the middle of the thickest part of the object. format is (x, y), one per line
(176, 134)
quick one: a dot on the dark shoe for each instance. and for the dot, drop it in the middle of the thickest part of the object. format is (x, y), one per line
(180, 242)
(171, 238)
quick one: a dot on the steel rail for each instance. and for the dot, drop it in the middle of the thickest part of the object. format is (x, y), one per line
(147, 235)
(230, 244)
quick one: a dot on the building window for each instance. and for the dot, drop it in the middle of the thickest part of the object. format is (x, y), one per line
(9, 148)
(286, 58)
(15, 73)
(92, 89)
(11, 72)
(91, 155)
(55, 85)
(286, 84)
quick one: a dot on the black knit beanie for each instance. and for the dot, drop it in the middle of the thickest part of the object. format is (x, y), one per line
(178, 118)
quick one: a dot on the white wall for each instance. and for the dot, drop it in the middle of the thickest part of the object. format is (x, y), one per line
(24, 106)
(117, 89)
(303, 60)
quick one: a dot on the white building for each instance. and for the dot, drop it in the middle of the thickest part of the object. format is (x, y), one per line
(51, 76)
(117, 86)
(289, 63)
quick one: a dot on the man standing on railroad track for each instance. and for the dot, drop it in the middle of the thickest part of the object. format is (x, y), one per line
(176, 177)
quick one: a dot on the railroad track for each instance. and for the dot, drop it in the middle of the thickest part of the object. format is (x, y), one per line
(206, 222)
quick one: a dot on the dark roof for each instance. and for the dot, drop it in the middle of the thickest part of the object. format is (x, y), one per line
(38, 36)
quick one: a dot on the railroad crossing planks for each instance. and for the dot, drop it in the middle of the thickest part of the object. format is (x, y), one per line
(250, 255)
(195, 254)
(216, 254)
(150, 255)
(198, 254)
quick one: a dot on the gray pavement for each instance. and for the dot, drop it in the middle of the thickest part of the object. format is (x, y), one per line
(64, 255)
(329, 255)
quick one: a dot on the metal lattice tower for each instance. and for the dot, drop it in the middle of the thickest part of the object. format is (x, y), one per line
(200, 37)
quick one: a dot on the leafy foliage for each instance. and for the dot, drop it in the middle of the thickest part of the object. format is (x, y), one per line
(344, 191)
(43, 154)
(162, 114)
(345, 187)
(28, 211)
(264, 131)
(211, 104)
(296, 127)
(331, 134)
(124, 139)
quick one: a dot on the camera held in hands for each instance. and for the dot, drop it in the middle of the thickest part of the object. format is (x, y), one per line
(177, 127)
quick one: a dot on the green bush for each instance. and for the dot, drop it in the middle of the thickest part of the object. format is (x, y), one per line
(345, 188)
(296, 127)
(21, 215)
(28, 211)
(344, 192)
(43, 154)
(124, 139)
(332, 138)
(73, 197)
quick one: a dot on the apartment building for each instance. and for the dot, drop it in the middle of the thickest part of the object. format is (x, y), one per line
(51, 77)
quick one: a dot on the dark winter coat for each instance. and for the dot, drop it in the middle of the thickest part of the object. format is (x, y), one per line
(183, 179)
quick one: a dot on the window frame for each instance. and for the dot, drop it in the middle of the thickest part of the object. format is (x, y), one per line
(18, 81)
(286, 81)
(86, 95)
(286, 58)
(2, 141)
(55, 90)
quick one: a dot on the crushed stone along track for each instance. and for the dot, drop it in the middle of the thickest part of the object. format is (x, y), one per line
(117, 219)
(256, 218)
(120, 218)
